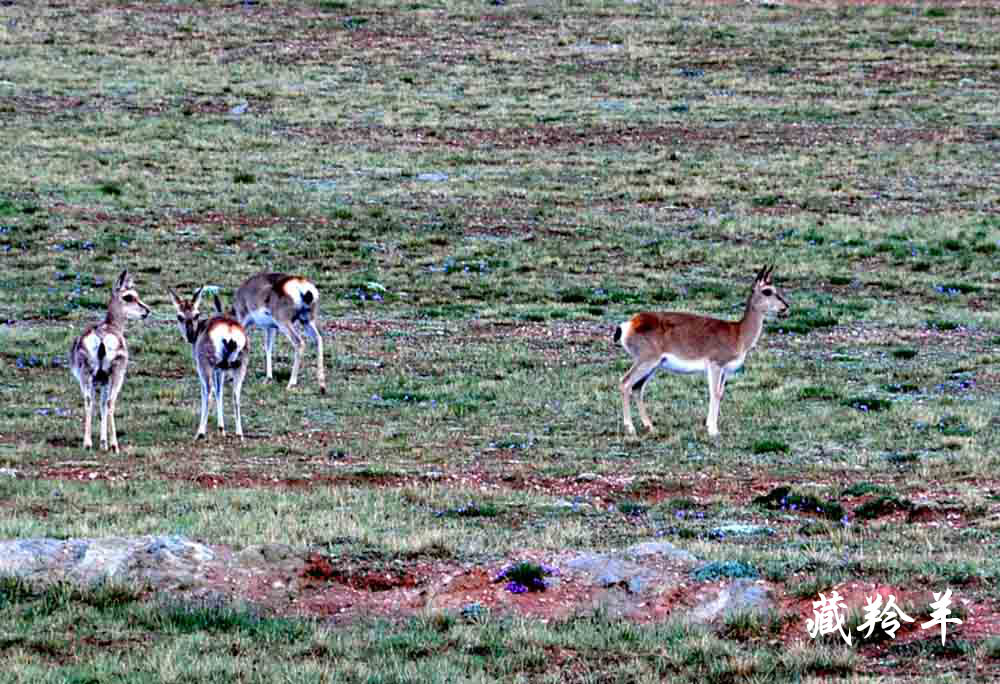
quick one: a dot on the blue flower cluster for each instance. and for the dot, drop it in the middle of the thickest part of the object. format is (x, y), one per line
(526, 576)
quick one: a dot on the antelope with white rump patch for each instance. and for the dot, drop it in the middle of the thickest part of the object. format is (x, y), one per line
(98, 359)
(274, 302)
(220, 348)
(689, 343)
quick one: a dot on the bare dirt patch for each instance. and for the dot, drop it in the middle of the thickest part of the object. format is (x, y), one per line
(677, 137)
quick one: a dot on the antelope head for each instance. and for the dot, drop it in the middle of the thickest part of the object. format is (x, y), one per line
(125, 299)
(765, 297)
(188, 314)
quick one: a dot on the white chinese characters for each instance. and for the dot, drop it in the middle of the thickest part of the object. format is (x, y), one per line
(889, 615)
(827, 617)
(879, 610)
(941, 612)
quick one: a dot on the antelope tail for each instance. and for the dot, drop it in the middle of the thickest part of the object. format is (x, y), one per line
(230, 354)
(101, 375)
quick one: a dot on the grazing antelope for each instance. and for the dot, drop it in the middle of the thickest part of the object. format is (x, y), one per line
(689, 343)
(275, 301)
(99, 357)
(220, 347)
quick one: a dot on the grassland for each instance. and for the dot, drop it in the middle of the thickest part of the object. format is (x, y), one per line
(481, 192)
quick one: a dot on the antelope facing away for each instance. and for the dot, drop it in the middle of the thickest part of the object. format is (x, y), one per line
(220, 348)
(274, 302)
(98, 359)
(689, 343)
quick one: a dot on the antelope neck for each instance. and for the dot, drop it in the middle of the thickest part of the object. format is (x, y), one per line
(751, 326)
(115, 317)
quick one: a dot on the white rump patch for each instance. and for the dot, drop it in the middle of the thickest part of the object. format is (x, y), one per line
(92, 342)
(297, 287)
(223, 332)
(679, 365)
(111, 345)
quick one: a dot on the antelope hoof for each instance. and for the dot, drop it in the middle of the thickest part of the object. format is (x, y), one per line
(88, 445)
(199, 435)
(322, 389)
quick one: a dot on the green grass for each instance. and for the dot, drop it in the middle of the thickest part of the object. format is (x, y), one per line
(150, 641)
(479, 214)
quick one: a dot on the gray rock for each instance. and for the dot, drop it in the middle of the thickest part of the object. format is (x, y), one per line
(95, 560)
(266, 554)
(432, 177)
(740, 530)
(608, 571)
(660, 548)
(733, 598)
(640, 568)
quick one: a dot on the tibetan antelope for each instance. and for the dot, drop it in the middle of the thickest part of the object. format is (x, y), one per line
(99, 357)
(274, 302)
(689, 343)
(220, 347)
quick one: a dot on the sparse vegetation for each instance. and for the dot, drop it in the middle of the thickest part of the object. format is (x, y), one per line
(478, 215)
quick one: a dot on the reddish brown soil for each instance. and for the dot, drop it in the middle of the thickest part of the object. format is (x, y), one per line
(980, 619)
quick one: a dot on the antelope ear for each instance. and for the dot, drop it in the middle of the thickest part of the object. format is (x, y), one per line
(196, 298)
(767, 275)
(760, 275)
(124, 280)
(176, 300)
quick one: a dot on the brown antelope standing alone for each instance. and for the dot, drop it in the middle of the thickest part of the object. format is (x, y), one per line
(688, 343)
(274, 302)
(99, 357)
(220, 348)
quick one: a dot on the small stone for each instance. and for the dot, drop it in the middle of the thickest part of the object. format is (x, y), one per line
(432, 177)
(473, 611)
(740, 530)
